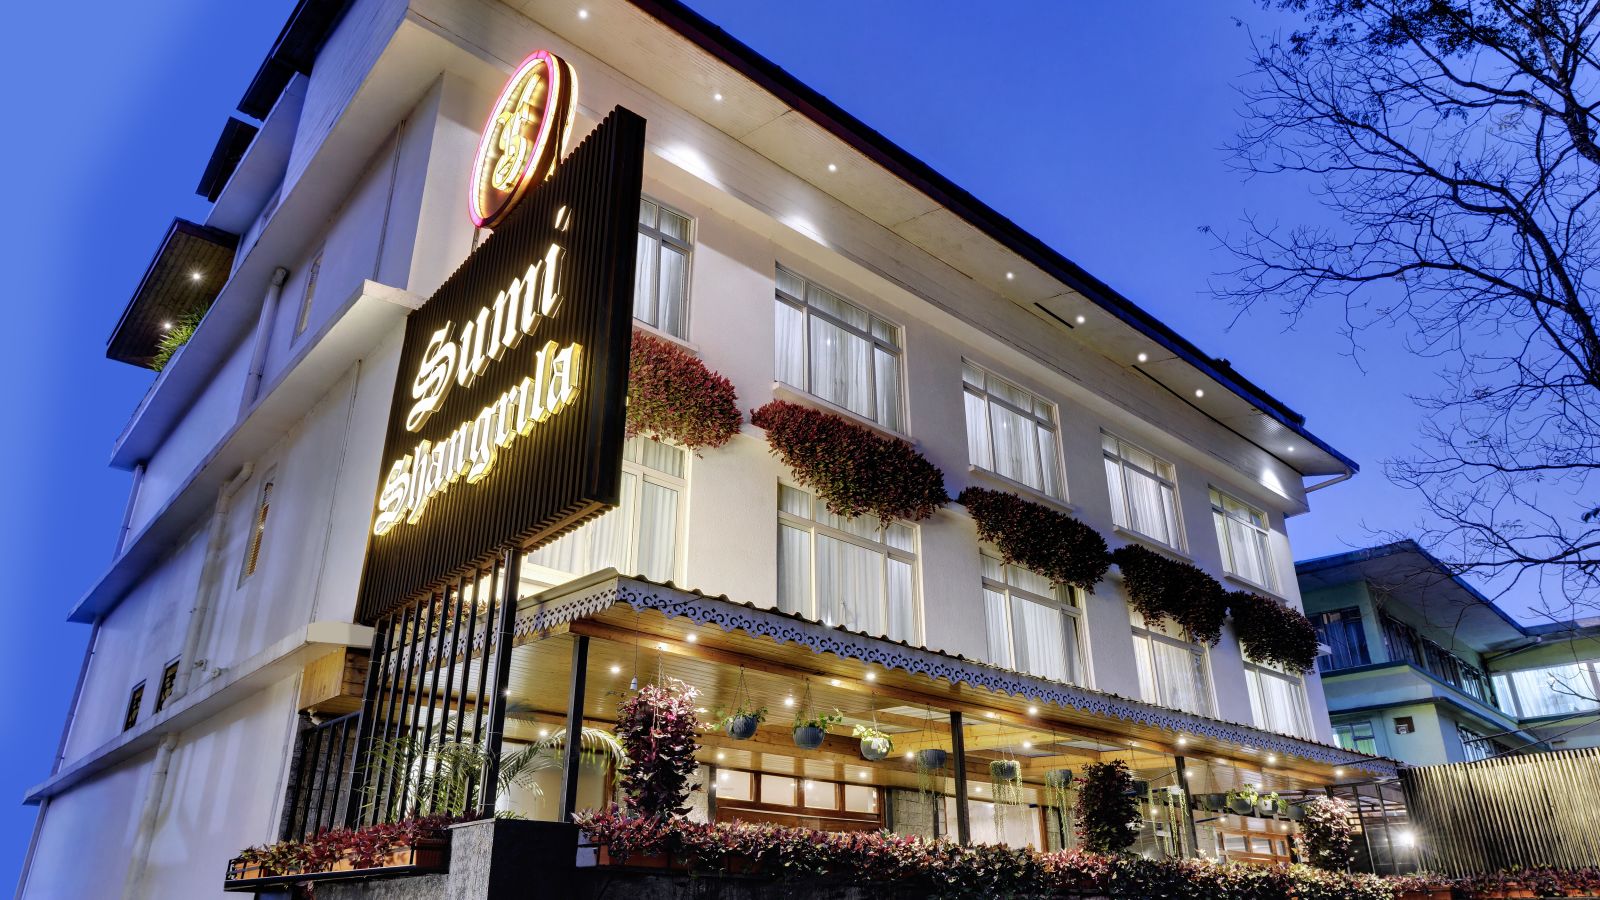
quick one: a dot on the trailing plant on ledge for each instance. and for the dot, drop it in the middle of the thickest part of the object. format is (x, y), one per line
(1273, 633)
(673, 395)
(1038, 538)
(1160, 588)
(658, 727)
(851, 468)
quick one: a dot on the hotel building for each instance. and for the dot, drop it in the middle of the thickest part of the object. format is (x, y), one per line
(282, 603)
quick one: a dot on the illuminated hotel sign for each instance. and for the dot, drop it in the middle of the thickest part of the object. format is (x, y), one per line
(527, 131)
(506, 425)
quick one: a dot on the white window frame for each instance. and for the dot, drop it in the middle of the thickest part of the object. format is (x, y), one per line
(1048, 422)
(1071, 608)
(895, 348)
(1221, 515)
(1255, 673)
(545, 576)
(1122, 514)
(880, 545)
(686, 246)
(1355, 740)
(1142, 632)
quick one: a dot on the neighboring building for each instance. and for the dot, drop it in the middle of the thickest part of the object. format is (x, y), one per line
(1424, 669)
(796, 252)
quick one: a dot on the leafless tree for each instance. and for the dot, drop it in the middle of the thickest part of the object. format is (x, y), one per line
(1453, 145)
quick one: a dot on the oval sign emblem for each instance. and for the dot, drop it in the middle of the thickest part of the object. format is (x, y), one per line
(525, 137)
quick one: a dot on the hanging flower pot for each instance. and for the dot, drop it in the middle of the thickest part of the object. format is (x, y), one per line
(1139, 789)
(743, 727)
(810, 728)
(931, 758)
(1215, 802)
(1242, 805)
(875, 745)
(1296, 812)
(1005, 770)
(1058, 779)
(808, 737)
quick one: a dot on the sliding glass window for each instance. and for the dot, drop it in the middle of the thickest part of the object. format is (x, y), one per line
(661, 269)
(1010, 431)
(837, 351)
(854, 573)
(1033, 625)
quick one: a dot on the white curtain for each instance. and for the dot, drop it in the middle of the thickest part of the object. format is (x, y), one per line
(598, 544)
(1278, 702)
(902, 603)
(1172, 675)
(1041, 639)
(1014, 444)
(1249, 551)
(978, 430)
(886, 384)
(849, 586)
(674, 299)
(1119, 505)
(994, 610)
(841, 367)
(794, 570)
(658, 521)
(790, 355)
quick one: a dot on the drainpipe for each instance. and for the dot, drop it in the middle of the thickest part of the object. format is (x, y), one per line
(146, 833)
(210, 583)
(258, 355)
(1330, 482)
(127, 512)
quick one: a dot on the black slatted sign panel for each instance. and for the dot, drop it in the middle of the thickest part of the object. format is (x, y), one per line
(550, 470)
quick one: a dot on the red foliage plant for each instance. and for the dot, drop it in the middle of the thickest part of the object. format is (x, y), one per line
(1038, 538)
(1271, 632)
(1161, 588)
(851, 468)
(673, 395)
(658, 730)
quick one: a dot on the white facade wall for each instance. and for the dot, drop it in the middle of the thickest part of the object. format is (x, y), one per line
(403, 223)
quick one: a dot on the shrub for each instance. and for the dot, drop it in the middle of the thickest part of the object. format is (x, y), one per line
(1271, 632)
(850, 467)
(173, 339)
(1038, 538)
(1106, 807)
(366, 848)
(657, 728)
(673, 395)
(1326, 832)
(1161, 588)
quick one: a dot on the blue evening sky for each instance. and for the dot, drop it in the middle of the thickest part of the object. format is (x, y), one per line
(1097, 126)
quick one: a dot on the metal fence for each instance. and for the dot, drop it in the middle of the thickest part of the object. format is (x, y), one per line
(319, 781)
(1532, 810)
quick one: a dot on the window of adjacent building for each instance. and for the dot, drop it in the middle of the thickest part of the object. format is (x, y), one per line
(1341, 630)
(854, 573)
(1033, 626)
(835, 350)
(661, 269)
(1474, 746)
(1010, 432)
(169, 679)
(1278, 699)
(638, 537)
(304, 318)
(1405, 644)
(1172, 669)
(135, 700)
(1245, 540)
(258, 530)
(1357, 736)
(1144, 491)
(1559, 690)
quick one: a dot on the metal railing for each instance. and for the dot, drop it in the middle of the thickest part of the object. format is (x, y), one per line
(318, 798)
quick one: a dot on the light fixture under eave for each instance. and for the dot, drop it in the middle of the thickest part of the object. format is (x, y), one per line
(1144, 357)
(1289, 449)
(717, 96)
(1338, 773)
(788, 701)
(616, 670)
(832, 167)
(1080, 320)
(834, 682)
(1272, 759)
(872, 676)
(1182, 740)
(691, 637)
(1033, 710)
(1011, 276)
(583, 14)
(1199, 392)
(194, 276)
(166, 326)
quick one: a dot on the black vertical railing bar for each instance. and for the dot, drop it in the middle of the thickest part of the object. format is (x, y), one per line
(376, 663)
(399, 761)
(466, 650)
(339, 768)
(450, 673)
(400, 621)
(293, 822)
(958, 753)
(502, 676)
(432, 758)
(572, 755)
(483, 675)
(1191, 842)
(319, 780)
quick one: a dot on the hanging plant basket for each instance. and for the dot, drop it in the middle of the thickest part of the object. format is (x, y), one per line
(1038, 538)
(742, 727)
(854, 470)
(1296, 812)
(1058, 779)
(1005, 770)
(932, 758)
(808, 737)
(875, 745)
(1241, 805)
(810, 727)
(1272, 633)
(1160, 588)
(673, 395)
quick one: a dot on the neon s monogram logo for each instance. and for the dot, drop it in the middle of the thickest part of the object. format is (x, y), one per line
(514, 147)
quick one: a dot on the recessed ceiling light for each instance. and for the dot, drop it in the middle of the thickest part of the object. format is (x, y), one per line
(721, 755)
(1289, 448)
(194, 276)
(583, 14)
(1198, 392)
(1338, 773)
(1182, 740)
(1143, 357)
(691, 637)
(910, 756)
(544, 732)
(1027, 745)
(1272, 758)
(166, 326)
(788, 701)
(717, 96)
(988, 715)
(833, 681)
(872, 676)
(832, 167)
(862, 775)
(1188, 773)
(1010, 276)
(1033, 710)
(1079, 320)
(616, 669)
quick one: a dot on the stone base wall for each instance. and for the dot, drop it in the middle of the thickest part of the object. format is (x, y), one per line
(911, 812)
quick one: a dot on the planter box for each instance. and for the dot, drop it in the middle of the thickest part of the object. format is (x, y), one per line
(641, 860)
(425, 856)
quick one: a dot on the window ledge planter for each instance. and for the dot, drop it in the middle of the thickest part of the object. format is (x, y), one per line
(781, 391)
(427, 855)
(1026, 491)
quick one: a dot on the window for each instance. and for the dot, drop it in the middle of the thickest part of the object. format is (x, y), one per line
(1405, 644)
(735, 785)
(169, 679)
(848, 572)
(639, 536)
(1144, 492)
(1277, 700)
(661, 270)
(837, 351)
(1356, 736)
(1033, 626)
(1172, 670)
(1342, 631)
(1474, 746)
(135, 700)
(304, 318)
(258, 533)
(1558, 690)
(1243, 536)
(1009, 431)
